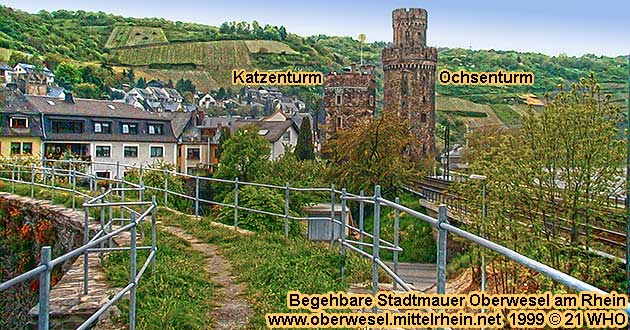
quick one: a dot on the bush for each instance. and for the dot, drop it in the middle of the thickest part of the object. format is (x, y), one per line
(257, 198)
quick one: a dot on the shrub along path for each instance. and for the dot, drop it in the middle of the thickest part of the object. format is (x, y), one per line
(233, 312)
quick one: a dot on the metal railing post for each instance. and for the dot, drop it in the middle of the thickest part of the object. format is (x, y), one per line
(141, 191)
(117, 170)
(74, 188)
(343, 232)
(110, 217)
(19, 173)
(441, 249)
(165, 187)
(86, 239)
(153, 232)
(197, 196)
(12, 179)
(44, 290)
(52, 185)
(396, 233)
(376, 239)
(332, 214)
(132, 274)
(286, 211)
(32, 181)
(236, 202)
(141, 173)
(102, 221)
(122, 197)
(361, 218)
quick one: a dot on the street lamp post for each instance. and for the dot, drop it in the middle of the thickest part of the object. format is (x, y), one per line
(482, 178)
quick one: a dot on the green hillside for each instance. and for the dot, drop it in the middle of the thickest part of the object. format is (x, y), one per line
(167, 50)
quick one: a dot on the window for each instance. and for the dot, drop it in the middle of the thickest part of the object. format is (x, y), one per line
(423, 117)
(338, 99)
(102, 127)
(156, 129)
(192, 154)
(371, 100)
(339, 122)
(27, 148)
(19, 122)
(286, 137)
(103, 151)
(103, 174)
(157, 152)
(129, 128)
(67, 126)
(131, 151)
(15, 148)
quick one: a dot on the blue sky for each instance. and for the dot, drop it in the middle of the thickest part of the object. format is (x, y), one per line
(550, 27)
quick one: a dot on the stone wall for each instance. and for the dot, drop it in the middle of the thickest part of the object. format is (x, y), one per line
(349, 98)
(26, 225)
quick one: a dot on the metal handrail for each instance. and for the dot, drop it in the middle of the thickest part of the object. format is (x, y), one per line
(94, 245)
(440, 223)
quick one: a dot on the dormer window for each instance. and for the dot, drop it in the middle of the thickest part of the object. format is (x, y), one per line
(129, 128)
(102, 127)
(156, 129)
(18, 122)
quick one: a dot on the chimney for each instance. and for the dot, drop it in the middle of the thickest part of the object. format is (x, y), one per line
(353, 68)
(69, 98)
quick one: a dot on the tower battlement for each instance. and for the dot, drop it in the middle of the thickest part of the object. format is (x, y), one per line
(410, 27)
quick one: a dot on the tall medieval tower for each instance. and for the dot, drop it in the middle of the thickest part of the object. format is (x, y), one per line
(409, 82)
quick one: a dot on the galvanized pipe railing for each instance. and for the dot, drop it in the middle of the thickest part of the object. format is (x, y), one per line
(90, 245)
(377, 243)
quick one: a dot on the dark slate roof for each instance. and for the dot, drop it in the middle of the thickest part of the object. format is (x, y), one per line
(179, 121)
(275, 129)
(90, 111)
(93, 108)
(14, 103)
(215, 121)
(3, 66)
(54, 92)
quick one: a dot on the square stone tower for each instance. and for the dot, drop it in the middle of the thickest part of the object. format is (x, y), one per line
(409, 78)
(349, 98)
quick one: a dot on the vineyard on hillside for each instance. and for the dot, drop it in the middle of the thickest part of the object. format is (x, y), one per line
(130, 36)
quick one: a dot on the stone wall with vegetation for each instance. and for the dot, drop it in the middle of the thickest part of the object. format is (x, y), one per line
(25, 226)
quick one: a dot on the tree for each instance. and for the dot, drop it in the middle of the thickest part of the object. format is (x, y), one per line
(131, 75)
(283, 32)
(225, 136)
(67, 75)
(304, 148)
(245, 156)
(372, 154)
(141, 83)
(553, 176)
(87, 91)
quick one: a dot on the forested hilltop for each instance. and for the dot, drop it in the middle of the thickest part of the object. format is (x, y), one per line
(157, 48)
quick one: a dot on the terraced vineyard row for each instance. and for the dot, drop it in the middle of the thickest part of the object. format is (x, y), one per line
(214, 54)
